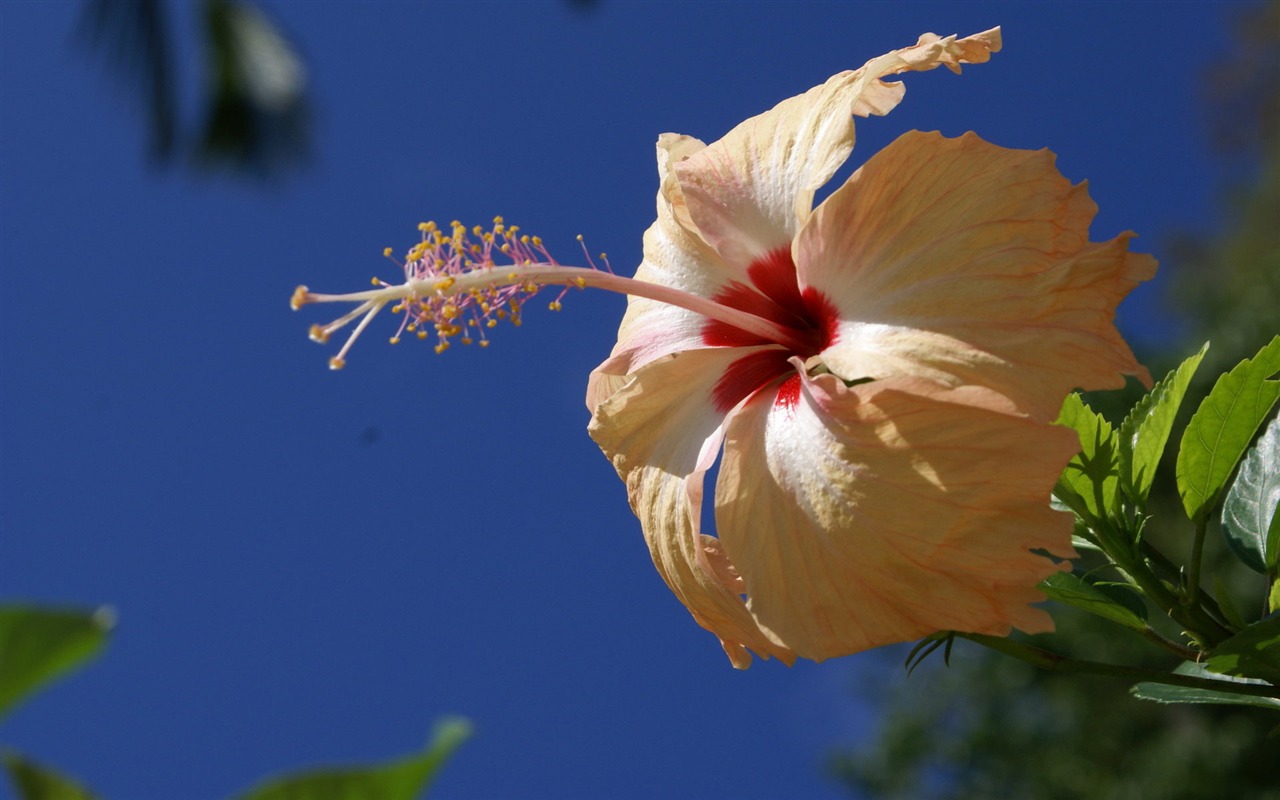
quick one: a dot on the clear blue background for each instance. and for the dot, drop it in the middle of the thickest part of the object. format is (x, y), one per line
(312, 566)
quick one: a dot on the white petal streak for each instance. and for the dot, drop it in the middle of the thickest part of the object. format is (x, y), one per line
(881, 513)
(674, 256)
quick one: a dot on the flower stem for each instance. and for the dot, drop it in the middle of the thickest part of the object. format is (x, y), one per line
(1055, 662)
(1194, 618)
(1193, 570)
(1171, 571)
(1182, 651)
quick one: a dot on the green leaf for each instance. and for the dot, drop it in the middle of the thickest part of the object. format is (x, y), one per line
(1249, 517)
(1089, 484)
(40, 644)
(1073, 590)
(1252, 653)
(35, 782)
(403, 779)
(1164, 693)
(1222, 427)
(1145, 431)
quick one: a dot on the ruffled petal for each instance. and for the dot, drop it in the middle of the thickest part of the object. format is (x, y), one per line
(735, 204)
(863, 516)
(662, 430)
(969, 263)
(749, 192)
(675, 256)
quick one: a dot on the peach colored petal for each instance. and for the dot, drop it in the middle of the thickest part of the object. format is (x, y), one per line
(662, 433)
(749, 192)
(968, 263)
(863, 516)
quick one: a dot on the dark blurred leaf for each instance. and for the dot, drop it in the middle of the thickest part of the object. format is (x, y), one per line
(254, 106)
(32, 781)
(1222, 427)
(1244, 91)
(402, 779)
(1163, 693)
(257, 117)
(39, 644)
(1252, 653)
(1145, 430)
(135, 39)
(1249, 518)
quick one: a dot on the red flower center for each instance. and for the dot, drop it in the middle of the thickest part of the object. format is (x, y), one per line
(774, 294)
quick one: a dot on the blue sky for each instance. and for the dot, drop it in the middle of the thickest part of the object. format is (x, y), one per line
(312, 566)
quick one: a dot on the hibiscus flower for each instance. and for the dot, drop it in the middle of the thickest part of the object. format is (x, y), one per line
(877, 376)
(886, 460)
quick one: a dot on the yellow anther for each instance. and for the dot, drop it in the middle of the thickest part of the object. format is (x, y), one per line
(579, 237)
(524, 239)
(397, 308)
(318, 334)
(374, 281)
(484, 342)
(336, 363)
(445, 285)
(537, 241)
(394, 340)
(530, 286)
(440, 348)
(511, 277)
(515, 320)
(581, 283)
(466, 340)
(554, 305)
(506, 247)
(493, 323)
(300, 297)
(386, 252)
(477, 230)
(422, 334)
(497, 220)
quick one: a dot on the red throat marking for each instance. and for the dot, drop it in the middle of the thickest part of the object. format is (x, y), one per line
(775, 295)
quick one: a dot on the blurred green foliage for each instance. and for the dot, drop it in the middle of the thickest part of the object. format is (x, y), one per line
(253, 114)
(989, 726)
(39, 645)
